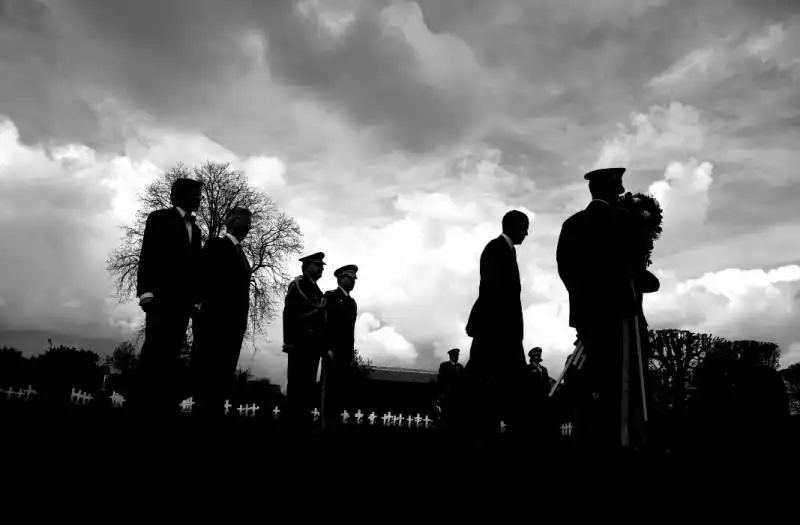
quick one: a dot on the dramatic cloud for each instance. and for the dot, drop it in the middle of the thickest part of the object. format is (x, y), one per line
(397, 133)
(734, 303)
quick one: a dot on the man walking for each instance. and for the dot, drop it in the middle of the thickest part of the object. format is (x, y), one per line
(496, 367)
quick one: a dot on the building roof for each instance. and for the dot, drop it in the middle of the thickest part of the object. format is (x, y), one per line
(401, 375)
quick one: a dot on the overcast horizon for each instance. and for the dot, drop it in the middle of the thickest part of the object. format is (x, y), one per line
(397, 134)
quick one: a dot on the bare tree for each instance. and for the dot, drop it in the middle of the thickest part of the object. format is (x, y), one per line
(274, 235)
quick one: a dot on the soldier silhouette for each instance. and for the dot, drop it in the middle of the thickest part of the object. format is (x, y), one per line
(304, 338)
(337, 364)
(599, 254)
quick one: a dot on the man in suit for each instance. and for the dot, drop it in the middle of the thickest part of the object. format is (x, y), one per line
(496, 367)
(450, 383)
(225, 300)
(599, 254)
(337, 366)
(304, 338)
(168, 291)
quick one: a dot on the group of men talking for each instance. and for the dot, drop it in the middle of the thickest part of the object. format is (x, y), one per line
(600, 260)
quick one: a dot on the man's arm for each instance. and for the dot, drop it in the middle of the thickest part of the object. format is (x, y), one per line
(565, 256)
(290, 316)
(148, 258)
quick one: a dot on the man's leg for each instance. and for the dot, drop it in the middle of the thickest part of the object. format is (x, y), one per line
(159, 364)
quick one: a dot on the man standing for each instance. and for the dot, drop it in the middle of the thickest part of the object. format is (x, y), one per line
(496, 367)
(337, 366)
(167, 287)
(304, 338)
(597, 258)
(538, 376)
(225, 306)
(450, 383)
(542, 418)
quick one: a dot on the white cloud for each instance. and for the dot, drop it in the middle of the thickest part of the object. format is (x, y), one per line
(683, 194)
(672, 130)
(732, 303)
(382, 344)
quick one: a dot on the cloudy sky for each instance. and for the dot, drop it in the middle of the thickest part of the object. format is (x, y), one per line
(397, 134)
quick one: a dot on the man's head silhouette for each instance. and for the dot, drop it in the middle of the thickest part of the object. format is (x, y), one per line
(515, 225)
(186, 193)
(606, 184)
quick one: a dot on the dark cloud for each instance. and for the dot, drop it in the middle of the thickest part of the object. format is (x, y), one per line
(183, 62)
(744, 205)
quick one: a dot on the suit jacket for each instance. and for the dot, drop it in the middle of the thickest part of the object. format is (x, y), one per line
(598, 251)
(498, 310)
(168, 262)
(304, 315)
(450, 378)
(225, 293)
(341, 323)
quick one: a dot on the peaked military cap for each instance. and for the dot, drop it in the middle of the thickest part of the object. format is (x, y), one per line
(535, 350)
(314, 257)
(606, 173)
(454, 351)
(350, 269)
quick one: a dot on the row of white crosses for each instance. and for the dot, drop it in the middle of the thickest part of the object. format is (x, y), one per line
(9, 392)
(388, 419)
(78, 397)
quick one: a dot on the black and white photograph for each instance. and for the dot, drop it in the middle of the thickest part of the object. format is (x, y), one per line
(438, 244)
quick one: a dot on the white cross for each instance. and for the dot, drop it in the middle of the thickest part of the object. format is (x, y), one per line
(254, 409)
(242, 409)
(227, 406)
(427, 420)
(372, 418)
(87, 398)
(10, 392)
(409, 420)
(345, 416)
(116, 399)
(315, 413)
(396, 419)
(276, 411)
(30, 391)
(21, 393)
(359, 415)
(418, 419)
(187, 404)
(386, 418)
(74, 397)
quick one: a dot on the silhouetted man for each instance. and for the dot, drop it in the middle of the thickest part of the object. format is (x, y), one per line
(496, 367)
(542, 417)
(304, 338)
(599, 253)
(450, 384)
(225, 301)
(337, 367)
(538, 376)
(167, 286)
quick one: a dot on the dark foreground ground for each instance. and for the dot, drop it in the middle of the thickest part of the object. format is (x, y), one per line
(78, 451)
